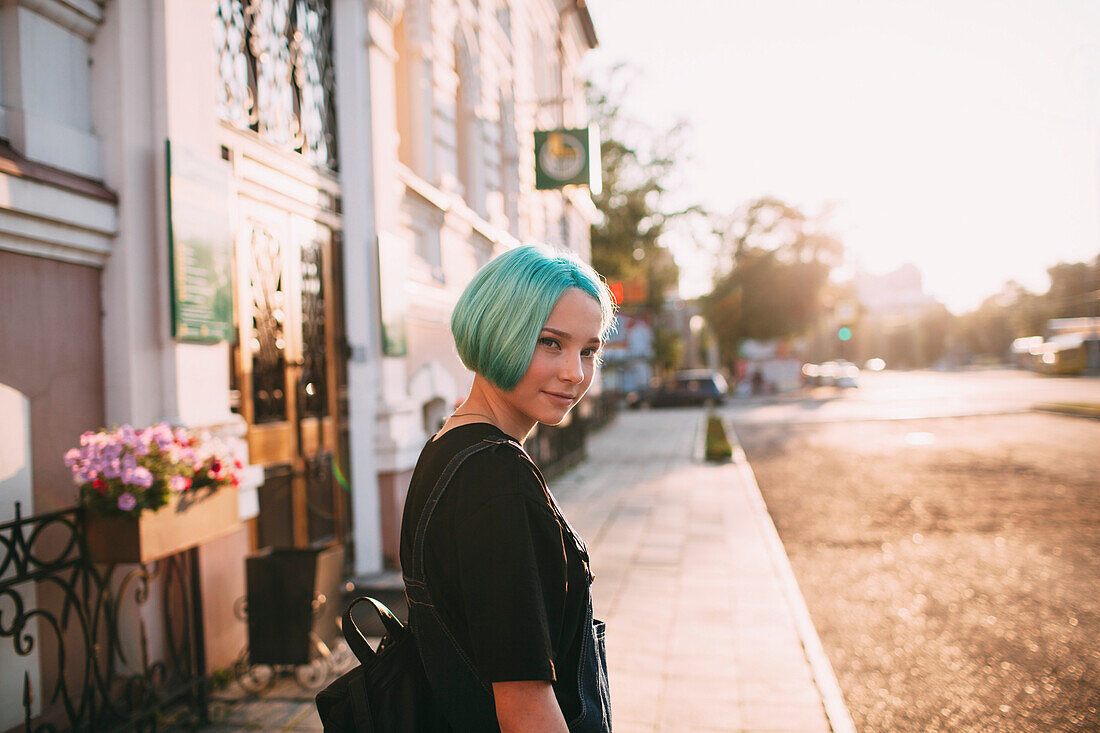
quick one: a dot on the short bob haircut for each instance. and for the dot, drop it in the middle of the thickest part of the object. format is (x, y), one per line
(498, 318)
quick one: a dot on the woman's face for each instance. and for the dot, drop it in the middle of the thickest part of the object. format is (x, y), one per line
(564, 362)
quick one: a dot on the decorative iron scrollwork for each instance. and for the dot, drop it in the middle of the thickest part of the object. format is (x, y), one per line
(313, 393)
(88, 627)
(277, 79)
(269, 316)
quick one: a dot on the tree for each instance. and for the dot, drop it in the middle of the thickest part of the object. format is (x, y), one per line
(775, 263)
(638, 167)
(1015, 312)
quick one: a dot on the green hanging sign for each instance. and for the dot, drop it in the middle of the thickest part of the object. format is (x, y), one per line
(568, 158)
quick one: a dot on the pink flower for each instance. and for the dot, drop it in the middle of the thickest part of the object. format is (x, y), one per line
(71, 457)
(127, 502)
(179, 483)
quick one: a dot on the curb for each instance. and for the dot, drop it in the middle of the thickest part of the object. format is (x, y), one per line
(1071, 410)
(836, 711)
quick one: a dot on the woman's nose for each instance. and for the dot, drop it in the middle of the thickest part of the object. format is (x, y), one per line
(572, 369)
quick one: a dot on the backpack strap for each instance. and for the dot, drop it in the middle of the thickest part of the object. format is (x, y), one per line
(416, 572)
(355, 638)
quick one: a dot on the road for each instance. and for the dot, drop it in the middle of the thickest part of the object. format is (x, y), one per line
(893, 395)
(945, 539)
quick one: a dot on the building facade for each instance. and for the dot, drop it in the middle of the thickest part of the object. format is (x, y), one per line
(457, 90)
(353, 164)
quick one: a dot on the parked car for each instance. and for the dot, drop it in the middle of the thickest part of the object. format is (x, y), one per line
(875, 365)
(691, 387)
(828, 373)
(811, 374)
(848, 377)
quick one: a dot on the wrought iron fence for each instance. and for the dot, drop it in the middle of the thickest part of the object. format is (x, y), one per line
(99, 667)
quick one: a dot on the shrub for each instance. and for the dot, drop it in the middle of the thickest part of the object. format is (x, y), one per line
(718, 446)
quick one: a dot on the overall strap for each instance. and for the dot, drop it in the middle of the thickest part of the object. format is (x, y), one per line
(566, 527)
(416, 573)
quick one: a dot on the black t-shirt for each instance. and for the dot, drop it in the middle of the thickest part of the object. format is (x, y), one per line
(503, 574)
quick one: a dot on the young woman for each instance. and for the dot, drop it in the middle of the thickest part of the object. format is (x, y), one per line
(497, 581)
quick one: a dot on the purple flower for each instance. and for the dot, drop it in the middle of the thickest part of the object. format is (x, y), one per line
(162, 435)
(111, 452)
(71, 457)
(128, 435)
(141, 476)
(112, 469)
(127, 502)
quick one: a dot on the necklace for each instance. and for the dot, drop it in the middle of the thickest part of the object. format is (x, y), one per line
(478, 414)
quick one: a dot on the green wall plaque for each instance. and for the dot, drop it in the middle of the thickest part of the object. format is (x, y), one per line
(200, 246)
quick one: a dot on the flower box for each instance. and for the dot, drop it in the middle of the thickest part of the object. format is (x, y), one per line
(189, 519)
(154, 492)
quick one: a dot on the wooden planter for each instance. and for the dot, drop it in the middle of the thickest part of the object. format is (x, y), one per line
(181, 524)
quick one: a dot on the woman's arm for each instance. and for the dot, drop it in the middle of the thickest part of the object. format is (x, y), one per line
(528, 707)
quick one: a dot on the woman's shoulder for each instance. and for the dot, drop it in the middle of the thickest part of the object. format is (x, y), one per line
(500, 472)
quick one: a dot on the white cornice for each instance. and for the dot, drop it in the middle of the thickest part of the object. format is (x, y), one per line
(453, 204)
(48, 221)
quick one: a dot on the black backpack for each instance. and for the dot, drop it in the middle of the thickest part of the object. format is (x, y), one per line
(388, 692)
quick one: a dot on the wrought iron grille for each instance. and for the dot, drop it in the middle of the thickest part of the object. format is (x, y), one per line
(100, 668)
(275, 64)
(269, 313)
(313, 393)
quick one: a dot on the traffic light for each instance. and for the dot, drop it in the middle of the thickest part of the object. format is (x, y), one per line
(844, 334)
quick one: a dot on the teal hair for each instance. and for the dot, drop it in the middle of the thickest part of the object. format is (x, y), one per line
(498, 318)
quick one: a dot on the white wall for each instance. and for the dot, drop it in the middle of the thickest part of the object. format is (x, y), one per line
(46, 91)
(15, 485)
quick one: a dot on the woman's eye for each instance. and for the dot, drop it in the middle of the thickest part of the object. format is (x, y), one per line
(591, 352)
(549, 342)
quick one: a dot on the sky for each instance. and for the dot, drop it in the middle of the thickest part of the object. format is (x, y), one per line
(960, 135)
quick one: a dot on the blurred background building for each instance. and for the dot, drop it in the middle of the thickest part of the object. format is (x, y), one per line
(254, 217)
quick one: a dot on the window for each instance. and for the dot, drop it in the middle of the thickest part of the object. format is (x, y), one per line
(275, 67)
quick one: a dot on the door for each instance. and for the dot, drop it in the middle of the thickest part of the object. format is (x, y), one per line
(285, 373)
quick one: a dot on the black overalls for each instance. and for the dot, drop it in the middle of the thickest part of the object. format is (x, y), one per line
(465, 699)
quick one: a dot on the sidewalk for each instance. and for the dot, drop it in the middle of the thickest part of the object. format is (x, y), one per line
(706, 629)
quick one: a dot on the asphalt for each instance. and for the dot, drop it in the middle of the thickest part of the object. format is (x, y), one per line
(706, 627)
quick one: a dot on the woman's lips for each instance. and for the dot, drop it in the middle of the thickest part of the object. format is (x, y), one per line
(560, 399)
